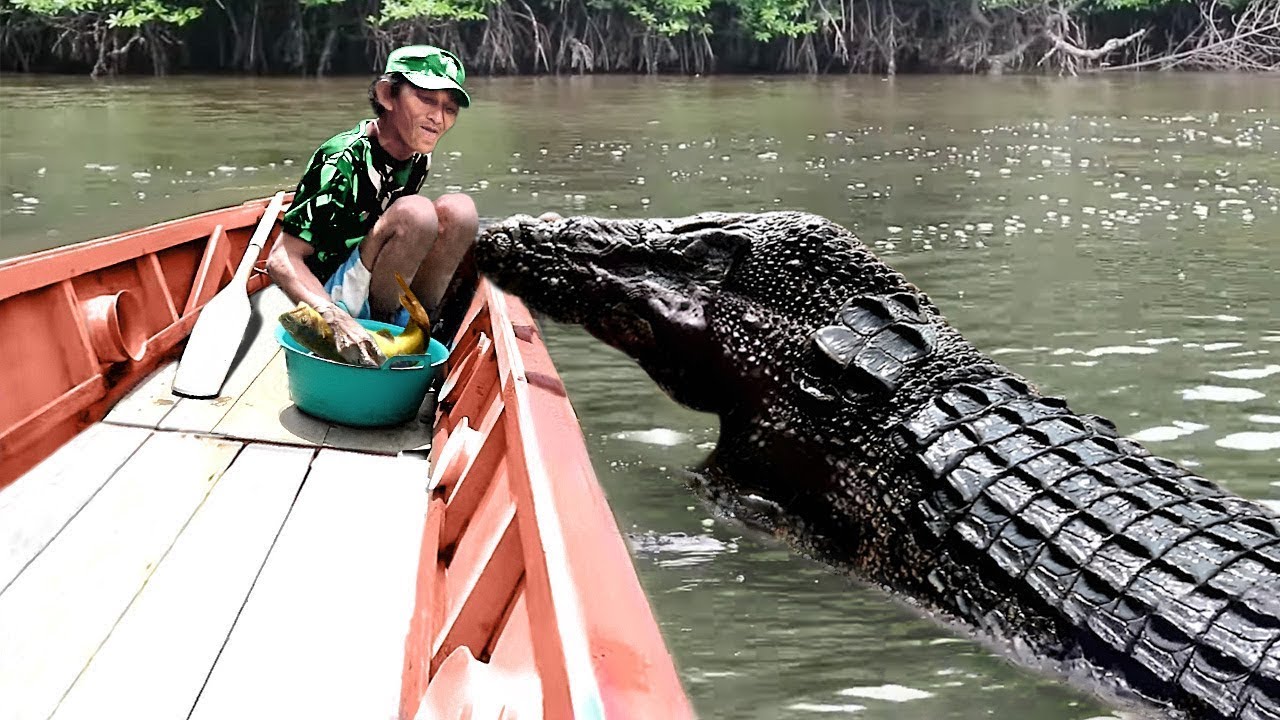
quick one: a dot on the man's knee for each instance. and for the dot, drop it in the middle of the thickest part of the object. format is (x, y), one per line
(457, 210)
(413, 212)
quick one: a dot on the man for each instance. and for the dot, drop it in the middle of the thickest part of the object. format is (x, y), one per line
(357, 218)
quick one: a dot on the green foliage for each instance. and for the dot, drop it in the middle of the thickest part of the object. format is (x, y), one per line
(136, 14)
(763, 20)
(666, 17)
(120, 13)
(394, 11)
(57, 7)
(769, 19)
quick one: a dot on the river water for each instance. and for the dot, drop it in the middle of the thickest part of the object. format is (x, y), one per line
(1112, 238)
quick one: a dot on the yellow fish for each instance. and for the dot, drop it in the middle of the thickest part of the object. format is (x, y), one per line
(309, 328)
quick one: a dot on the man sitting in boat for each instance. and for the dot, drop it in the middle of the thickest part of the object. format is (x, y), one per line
(357, 218)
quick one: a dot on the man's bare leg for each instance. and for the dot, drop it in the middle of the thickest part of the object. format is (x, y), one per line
(423, 241)
(458, 224)
(398, 242)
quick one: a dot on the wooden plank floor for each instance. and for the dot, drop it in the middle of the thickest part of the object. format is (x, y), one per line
(210, 578)
(255, 404)
(34, 509)
(157, 657)
(58, 611)
(231, 557)
(323, 633)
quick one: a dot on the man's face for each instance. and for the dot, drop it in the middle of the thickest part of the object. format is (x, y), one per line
(419, 117)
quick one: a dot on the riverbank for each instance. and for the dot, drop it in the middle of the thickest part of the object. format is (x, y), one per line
(518, 37)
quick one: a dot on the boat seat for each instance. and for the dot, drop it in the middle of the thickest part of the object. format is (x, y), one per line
(466, 689)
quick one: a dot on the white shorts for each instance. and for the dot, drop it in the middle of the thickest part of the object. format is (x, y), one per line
(349, 285)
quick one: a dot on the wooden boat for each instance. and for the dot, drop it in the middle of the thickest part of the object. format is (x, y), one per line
(166, 557)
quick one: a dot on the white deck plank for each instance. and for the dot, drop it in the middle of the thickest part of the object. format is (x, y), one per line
(160, 653)
(322, 634)
(63, 606)
(148, 403)
(35, 508)
(196, 415)
(411, 435)
(265, 412)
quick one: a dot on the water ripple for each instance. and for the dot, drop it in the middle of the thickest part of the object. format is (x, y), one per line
(1252, 440)
(1121, 350)
(683, 550)
(1180, 428)
(1214, 347)
(1216, 393)
(825, 708)
(1248, 373)
(890, 692)
(655, 436)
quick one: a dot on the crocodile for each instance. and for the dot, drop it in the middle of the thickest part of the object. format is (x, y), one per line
(865, 430)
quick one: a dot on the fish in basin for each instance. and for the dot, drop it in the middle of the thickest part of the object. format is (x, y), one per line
(856, 421)
(309, 328)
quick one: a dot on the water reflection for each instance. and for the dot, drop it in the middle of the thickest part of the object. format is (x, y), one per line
(1112, 239)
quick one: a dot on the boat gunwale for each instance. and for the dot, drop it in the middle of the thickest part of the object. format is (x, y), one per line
(41, 268)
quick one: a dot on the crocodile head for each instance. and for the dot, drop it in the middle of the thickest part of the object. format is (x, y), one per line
(715, 306)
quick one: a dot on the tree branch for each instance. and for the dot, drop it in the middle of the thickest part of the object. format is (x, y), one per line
(975, 12)
(1094, 53)
(1196, 51)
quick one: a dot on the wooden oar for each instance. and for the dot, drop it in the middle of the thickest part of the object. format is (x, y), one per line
(219, 330)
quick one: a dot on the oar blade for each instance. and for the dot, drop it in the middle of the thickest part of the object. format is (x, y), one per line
(213, 344)
(219, 330)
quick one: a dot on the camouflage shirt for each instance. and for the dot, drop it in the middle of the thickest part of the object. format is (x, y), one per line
(349, 182)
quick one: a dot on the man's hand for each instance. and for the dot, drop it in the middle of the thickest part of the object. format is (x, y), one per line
(353, 342)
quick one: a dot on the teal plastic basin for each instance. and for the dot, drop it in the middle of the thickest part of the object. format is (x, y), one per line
(360, 396)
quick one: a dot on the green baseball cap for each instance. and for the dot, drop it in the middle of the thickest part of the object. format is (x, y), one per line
(430, 68)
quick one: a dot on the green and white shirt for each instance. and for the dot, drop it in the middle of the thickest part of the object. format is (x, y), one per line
(349, 182)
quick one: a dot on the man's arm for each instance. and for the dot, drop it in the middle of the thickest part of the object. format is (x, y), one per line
(286, 264)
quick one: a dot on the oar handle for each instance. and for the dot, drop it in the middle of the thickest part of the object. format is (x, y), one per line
(259, 238)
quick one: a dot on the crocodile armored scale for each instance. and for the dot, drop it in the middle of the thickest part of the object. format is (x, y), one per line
(859, 425)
